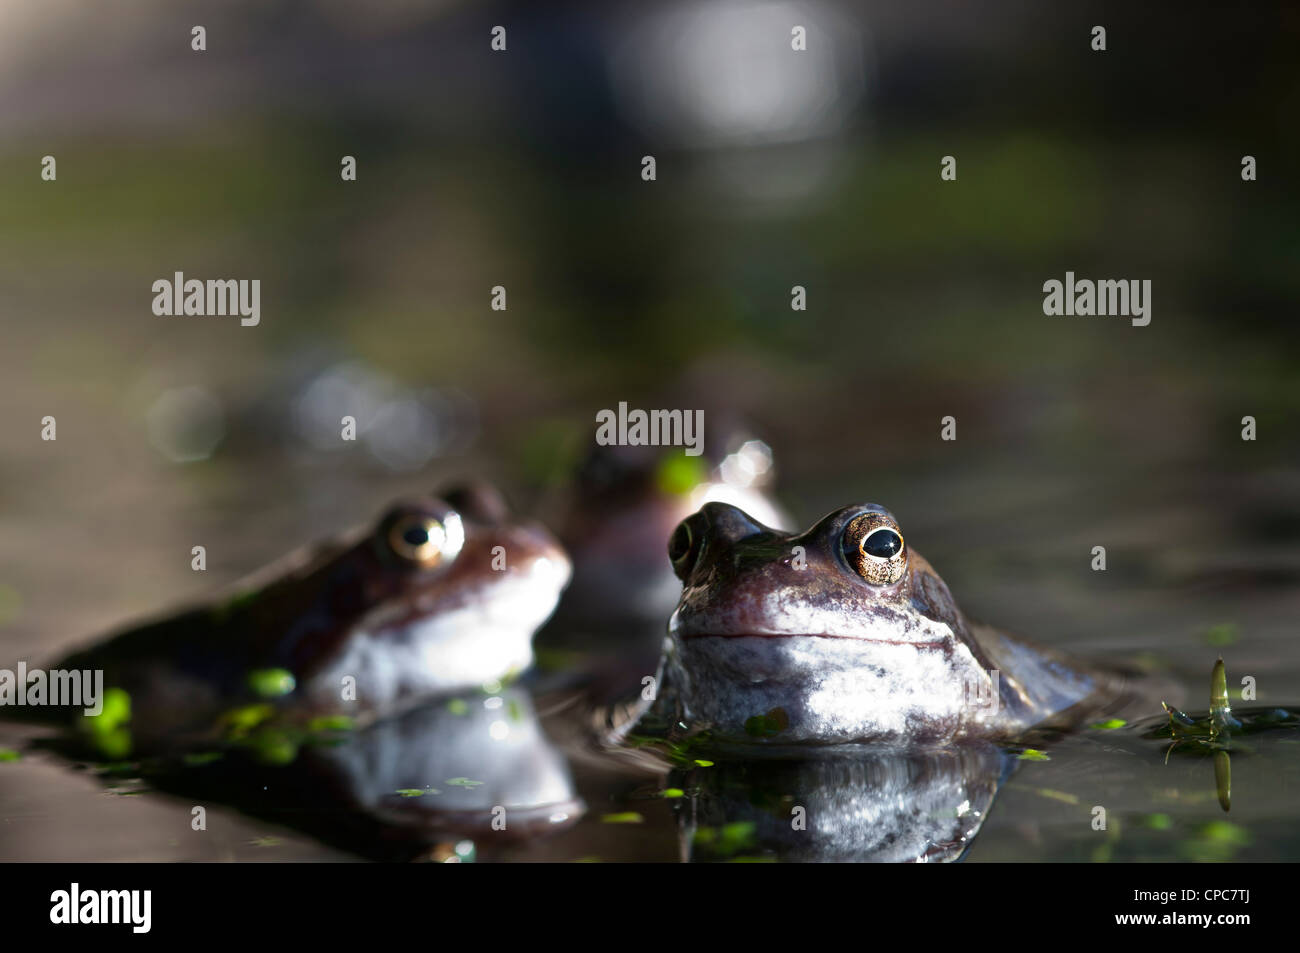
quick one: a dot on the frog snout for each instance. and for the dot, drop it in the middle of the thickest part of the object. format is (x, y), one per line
(698, 540)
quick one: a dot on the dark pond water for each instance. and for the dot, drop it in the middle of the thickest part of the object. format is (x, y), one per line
(924, 301)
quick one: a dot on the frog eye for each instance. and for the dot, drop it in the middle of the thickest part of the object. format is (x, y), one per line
(875, 550)
(426, 540)
(882, 543)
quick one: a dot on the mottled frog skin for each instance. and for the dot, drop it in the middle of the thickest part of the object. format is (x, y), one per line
(442, 594)
(842, 634)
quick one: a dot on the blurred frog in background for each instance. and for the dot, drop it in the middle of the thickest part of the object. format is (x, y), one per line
(615, 519)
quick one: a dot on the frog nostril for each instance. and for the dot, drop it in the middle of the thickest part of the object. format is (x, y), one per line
(477, 501)
(681, 547)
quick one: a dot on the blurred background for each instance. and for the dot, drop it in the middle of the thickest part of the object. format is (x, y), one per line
(774, 169)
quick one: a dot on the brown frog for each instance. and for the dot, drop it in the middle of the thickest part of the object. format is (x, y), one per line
(843, 634)
(442, 594)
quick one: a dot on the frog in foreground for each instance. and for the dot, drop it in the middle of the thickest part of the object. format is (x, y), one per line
(842, 634)
(442, 594)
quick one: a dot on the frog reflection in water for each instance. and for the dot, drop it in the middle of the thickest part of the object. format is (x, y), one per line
(843, 634)
(442, 594)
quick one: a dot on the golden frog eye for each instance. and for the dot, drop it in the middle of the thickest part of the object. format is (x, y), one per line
(426, 540)
(874, 547)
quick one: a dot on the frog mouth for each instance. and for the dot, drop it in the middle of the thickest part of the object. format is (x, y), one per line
(931, 644)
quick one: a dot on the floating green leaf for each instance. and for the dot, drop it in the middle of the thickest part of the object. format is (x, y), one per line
(271, 682)
(627, 817)
(1216, 841)
(727, 839)
(1225, 832)
(1109, 725)
(326, 723)
(1033, 754)
(274, 746)
(238, 722)
(9, 754)
(463, 783)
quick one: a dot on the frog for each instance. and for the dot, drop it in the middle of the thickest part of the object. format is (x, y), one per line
(842, 634)
(442, 593)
